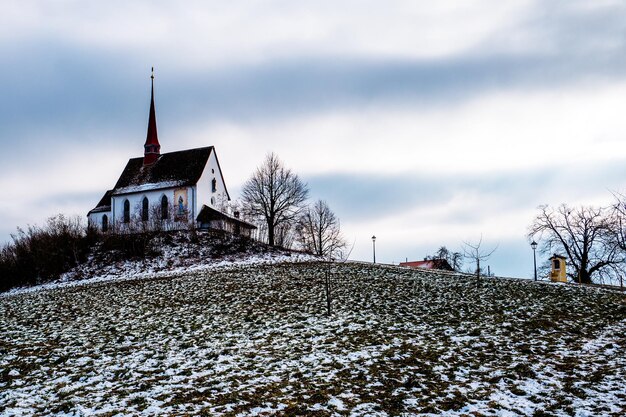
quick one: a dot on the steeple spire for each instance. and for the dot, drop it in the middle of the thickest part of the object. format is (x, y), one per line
(152, 148)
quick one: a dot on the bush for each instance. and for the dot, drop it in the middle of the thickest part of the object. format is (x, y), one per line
(40, 254)
(130, 245)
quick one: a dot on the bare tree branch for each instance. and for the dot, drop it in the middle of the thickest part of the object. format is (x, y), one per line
(476, 253)
(276, 195)
(319, 231)
(587, 235)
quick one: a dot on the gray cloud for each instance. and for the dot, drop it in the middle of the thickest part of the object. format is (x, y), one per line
(581, 27)
(365, 196)
(52, 86)
(56, 90)
(79, 94)
(68, 203)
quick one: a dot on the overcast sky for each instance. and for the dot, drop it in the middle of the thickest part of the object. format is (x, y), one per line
(424, 123)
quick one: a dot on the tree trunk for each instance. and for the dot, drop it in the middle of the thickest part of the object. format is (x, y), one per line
(270, 232)
(584, 277)
(327, 285)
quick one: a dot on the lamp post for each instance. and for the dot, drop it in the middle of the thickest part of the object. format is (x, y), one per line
(374, 247)
(534, 246)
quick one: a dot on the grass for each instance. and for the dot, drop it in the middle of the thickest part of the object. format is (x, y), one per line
(255, 340)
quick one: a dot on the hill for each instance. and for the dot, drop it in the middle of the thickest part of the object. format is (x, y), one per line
(255, 340)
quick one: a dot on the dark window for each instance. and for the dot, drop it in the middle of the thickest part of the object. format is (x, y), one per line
(105, 223)
(126, 211)
(214, 185)
(181, 206)
(144, 209)
(164, 208)
(557, 264)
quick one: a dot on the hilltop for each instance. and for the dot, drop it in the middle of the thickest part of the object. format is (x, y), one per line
(255, 340)
(155, 254)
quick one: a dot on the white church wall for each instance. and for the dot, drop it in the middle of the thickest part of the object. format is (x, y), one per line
(154, 204)
(95, 220)
(92, 219)
(205, 193)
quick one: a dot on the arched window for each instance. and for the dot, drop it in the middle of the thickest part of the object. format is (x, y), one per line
(214, 185)
(144, 209)
(105, 223)
(164, 208)
(557, 264)
(126, 211)
(181, 206)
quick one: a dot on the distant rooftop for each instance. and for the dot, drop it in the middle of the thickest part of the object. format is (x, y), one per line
(429, 264)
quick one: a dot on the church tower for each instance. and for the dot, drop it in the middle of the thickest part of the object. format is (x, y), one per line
(152, 148)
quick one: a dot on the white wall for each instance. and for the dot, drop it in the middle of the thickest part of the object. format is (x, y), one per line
(95, 219)
(154, 201)
(204, 188)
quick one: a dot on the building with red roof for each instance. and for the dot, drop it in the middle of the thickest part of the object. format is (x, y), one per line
(440, 264)
(168, 191)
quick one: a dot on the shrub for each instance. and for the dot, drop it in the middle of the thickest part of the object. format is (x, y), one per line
(39, 254)
(130, 245)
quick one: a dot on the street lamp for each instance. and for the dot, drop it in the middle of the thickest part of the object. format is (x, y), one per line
(374, 247)
(534, 246)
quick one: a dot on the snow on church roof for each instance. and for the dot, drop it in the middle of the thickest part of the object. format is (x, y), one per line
(148, 187)
(174, 169)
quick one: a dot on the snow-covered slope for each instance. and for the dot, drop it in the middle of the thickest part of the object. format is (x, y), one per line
(170, 254)
(255, 340)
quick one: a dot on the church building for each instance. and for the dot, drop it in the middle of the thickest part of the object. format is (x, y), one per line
(167, 191)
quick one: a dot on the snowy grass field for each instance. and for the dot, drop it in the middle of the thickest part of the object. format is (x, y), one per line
(255, 340)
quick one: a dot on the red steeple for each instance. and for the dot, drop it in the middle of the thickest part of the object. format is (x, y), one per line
(152, 148)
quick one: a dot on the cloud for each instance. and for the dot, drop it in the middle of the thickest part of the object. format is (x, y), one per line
(413, 215)
(210, 33)
(70, 92)
(423, 123)
(69, 72)
(368, 196)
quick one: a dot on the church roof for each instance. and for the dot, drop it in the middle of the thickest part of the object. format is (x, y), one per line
(174, 169)
(104, 204)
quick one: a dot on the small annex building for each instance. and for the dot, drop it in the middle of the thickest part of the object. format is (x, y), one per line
(169, 191)
(558, 272)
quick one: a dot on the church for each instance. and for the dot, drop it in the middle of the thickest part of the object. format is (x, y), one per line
(170, 191)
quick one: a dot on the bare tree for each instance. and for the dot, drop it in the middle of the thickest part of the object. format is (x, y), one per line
(284, 235)
(455, 259)
(319, 231)
(328, 282)
(275, 194)
(584, 234)
(618, 227)
(476, 253)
